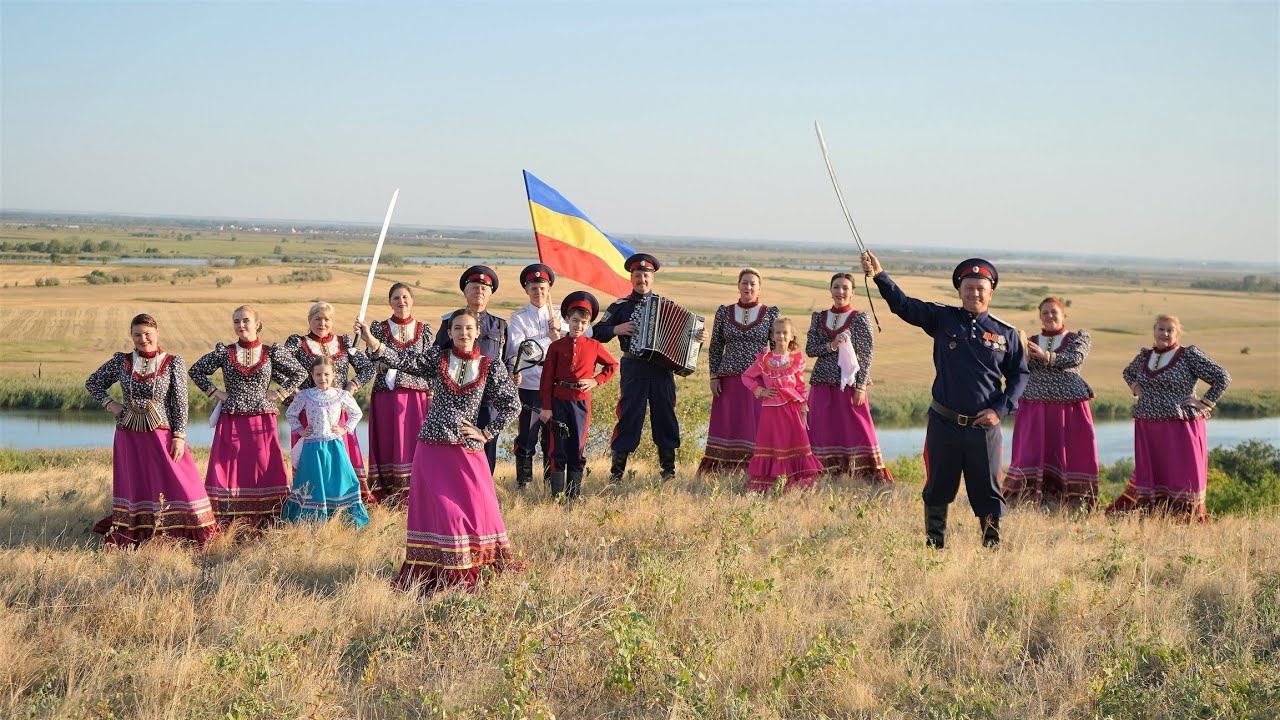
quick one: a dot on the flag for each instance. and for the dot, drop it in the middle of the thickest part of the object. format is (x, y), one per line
(574, 246)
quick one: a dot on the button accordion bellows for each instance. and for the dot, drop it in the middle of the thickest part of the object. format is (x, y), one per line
(665, 333)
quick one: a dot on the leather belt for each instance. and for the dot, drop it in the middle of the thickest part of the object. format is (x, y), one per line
(948, 413)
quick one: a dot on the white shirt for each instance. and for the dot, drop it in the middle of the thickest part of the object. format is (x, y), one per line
(835, 319)
(746, 316)
(463, 370)
(1160, 358)
(1051, 342)
(324, 408)
(530, 323)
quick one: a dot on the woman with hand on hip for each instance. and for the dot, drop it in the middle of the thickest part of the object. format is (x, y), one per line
(455, 528)
(155, 487)
(1170, 439)
(247, 478)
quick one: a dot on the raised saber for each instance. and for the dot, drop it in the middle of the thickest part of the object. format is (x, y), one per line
(844, 207)
(377, 253)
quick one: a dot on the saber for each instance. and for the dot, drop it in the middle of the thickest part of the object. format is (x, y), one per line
(377, 253)
(844, 207)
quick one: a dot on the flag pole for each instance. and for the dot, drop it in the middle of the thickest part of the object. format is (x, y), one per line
(844, 207)
(533, 223)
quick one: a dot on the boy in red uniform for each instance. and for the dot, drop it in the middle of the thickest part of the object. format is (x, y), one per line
(568, 375)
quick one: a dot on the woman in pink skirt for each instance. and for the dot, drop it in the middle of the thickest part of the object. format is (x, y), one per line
(840, 428)
(155, 487)
(321, 341)
(739, 335)
(247, 478)
(781, 457)
(398, 402)
(1055, 453)
(456, 531)
(1171, 446)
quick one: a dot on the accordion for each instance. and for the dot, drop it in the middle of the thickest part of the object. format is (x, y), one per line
(665, 335)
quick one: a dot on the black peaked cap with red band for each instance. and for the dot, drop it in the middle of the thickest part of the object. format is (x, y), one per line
(642, 261)
(536, 272)
(975, 268)
(580, 299)
(481, 274)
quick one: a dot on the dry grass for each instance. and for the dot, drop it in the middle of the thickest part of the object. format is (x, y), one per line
(69, 329)
(688, 600)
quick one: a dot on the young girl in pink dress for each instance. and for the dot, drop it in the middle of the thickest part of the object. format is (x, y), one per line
(782, 456)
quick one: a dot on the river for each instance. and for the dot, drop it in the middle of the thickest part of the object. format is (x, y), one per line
(28, 429)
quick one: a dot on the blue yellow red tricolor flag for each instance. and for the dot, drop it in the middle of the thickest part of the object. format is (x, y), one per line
(574, 246)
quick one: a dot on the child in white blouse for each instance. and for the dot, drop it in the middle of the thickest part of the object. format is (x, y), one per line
(324, 483)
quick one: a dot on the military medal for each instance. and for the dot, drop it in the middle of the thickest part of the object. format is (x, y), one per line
(951, 345)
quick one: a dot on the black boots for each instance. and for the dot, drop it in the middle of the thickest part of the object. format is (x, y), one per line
(573, 489)
(618, 467)
(991, 531)
(935, 525)
(667, 461)
(524, 471)
(556, 479)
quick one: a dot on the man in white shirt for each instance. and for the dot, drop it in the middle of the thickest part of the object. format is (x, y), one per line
(536, 323)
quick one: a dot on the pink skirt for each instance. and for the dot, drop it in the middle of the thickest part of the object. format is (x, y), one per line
(153, 495)
(731, 436)
(1170, 470)
(247, 477)
(782, 455)
(352, 441)
(843, 435)
(395, 419)
(1055, 455)
(456, 531)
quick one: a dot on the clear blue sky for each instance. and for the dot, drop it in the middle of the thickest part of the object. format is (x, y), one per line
(1147, 128)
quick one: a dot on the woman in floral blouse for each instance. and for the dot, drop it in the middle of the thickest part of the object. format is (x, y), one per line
(1055, 451)
(1171, 445)
(456, 530)
(740, 333)
(247, 478)
(155, 487)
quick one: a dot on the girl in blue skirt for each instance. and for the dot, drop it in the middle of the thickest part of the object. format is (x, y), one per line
(324, 483)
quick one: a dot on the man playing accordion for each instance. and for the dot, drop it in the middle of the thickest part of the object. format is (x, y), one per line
(644, 384)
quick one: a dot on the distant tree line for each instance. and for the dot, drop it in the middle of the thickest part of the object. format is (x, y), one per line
(1248, 283)
(67, 246)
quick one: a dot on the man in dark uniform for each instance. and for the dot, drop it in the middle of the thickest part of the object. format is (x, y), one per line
(642, 383)
(973, 353)
(478, 283)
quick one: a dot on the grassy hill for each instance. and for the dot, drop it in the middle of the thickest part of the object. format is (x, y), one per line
(683, 600)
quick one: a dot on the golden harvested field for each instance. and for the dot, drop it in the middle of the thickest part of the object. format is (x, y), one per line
(689, 600)
(70, 328)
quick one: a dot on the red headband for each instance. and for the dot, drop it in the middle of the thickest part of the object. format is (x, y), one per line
(480, 278)
(580, 304)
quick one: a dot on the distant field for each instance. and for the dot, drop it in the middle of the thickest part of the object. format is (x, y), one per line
(67, 329)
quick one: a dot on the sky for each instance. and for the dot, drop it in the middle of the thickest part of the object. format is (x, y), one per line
(1144, 129)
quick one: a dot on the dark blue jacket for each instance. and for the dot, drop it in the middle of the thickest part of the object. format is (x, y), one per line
(978, 359)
